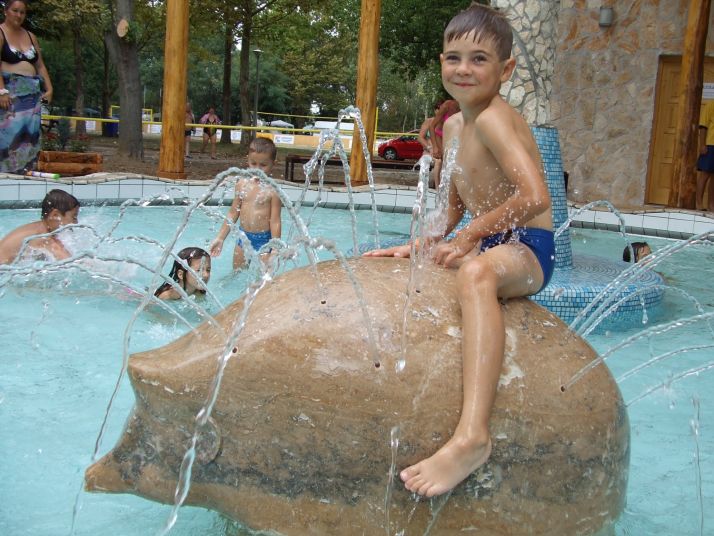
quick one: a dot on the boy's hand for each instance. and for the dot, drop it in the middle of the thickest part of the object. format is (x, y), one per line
(215, 248)
(396, 251)
(449, 253)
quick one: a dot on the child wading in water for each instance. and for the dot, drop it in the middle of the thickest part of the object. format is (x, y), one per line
(200, 262)
(257, 205)
(506, 251)
(58, 209)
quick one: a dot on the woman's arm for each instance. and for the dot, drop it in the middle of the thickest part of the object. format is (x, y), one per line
(42, 70)
(5, 100)
(423, 131)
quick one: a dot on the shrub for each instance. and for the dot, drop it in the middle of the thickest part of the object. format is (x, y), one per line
(50, 142)
(79, 144)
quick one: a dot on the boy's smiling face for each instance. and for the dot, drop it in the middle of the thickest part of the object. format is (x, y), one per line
(471, 71)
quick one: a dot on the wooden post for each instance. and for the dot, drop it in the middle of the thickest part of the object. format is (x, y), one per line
(173, 110)
(367, 74)
(684, 175)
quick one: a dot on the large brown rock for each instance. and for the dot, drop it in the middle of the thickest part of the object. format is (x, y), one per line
(299, 441)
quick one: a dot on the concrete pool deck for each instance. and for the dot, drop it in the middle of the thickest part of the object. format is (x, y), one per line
(114, 188)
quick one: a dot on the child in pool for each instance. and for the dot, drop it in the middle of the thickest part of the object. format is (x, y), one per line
(506, 251)
(200, 262)
(257, 205)
(641, 249)
(58, 209)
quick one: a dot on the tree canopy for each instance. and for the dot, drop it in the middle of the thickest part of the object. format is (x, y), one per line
(308, 63)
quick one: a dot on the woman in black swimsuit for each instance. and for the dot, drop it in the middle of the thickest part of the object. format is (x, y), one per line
(209, 132)
(24, 82)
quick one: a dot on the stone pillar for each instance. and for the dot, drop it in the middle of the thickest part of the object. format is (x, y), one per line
(535, 25)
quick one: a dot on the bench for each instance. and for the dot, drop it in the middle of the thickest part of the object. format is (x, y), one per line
(292, 159)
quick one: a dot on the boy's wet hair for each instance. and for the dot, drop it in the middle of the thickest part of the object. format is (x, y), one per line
(262, 146)
(486, 23)
(60, 200)
(636, 247)
(186, 254)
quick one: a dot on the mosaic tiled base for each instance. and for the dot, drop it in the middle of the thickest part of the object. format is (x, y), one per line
(577, 281)
(572, 289)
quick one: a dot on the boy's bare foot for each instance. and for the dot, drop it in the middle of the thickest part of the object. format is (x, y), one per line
(443, 471)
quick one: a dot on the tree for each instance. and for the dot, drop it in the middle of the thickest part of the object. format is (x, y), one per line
(72, 20)
(413, 31)
(121, 43)
(317, 51)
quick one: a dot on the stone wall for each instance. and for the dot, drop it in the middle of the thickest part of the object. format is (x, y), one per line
(535, 39)
(603, 94)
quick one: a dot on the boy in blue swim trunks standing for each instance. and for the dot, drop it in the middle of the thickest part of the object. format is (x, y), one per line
(257, 205)
(506, 251)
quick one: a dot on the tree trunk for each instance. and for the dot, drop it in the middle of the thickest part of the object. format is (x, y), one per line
(80, 127)
(125, 57)
(227, 57)
(244, 78)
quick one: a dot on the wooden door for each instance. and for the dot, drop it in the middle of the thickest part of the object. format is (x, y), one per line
(659, 171)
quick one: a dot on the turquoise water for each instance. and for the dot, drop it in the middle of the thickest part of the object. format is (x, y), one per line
(63, 335)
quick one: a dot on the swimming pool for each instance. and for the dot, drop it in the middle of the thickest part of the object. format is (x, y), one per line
(63, 341)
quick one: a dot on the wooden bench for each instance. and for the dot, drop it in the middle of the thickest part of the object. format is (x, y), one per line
(292, 159)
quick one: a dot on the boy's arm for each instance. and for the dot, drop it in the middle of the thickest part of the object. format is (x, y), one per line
(233, 214)
(9, 247)
(455, 212)
(530, 197)
(55, 246)
(276, 225)
(422, 134)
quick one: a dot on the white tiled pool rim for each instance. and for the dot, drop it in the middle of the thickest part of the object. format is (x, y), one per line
(114, 189)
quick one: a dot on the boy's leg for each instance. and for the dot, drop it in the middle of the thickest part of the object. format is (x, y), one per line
(503, 271)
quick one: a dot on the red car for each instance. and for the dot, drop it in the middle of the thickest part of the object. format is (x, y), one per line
(406, 147)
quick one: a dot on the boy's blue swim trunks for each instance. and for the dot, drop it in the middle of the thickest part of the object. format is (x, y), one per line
(540, 241)
(257, 240)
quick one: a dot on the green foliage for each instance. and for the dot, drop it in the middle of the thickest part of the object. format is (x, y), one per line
(413, 30)
(317, 51)
(79, 143)
(309, 59)
(50, 142)
(404, 102)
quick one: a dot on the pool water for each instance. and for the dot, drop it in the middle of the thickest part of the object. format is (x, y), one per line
(63, 337)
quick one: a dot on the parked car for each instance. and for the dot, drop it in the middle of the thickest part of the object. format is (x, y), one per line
(405, 147)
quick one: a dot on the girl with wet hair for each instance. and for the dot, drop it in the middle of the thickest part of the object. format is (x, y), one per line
(200, 262)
